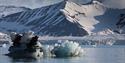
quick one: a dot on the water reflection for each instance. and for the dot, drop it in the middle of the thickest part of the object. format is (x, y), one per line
(99, 54)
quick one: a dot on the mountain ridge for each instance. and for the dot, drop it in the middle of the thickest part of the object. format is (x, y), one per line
(65, 19)
(46, 21)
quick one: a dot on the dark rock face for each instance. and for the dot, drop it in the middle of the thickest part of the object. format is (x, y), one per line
(111, 19)
(121, 22)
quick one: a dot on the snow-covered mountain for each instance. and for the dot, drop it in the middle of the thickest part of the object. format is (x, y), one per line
(47, 20)
(7, 10)
(64, 19)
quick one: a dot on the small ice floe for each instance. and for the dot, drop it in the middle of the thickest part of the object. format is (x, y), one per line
(94, 45)
(67, 49)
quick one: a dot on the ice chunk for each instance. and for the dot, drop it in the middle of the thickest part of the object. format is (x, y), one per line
(67, 49)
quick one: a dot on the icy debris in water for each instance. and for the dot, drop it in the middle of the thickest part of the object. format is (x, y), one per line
(47, 50)
(67, 49)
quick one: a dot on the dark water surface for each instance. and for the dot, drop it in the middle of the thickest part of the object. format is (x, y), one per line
(100, 54)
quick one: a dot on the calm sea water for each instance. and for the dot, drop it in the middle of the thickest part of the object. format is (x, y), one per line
(100, 54)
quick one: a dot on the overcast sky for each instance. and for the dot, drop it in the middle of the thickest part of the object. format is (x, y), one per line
(39, 3)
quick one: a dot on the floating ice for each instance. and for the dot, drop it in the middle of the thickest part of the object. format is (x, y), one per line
(67, 49)
(47, 50)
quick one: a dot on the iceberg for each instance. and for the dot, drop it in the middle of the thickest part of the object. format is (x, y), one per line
(67, 49)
